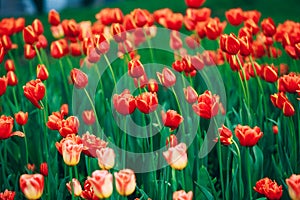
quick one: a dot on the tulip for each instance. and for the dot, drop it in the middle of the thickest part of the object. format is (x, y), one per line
(101, 43)
(6, 42)
(167, 78)
(75, 188)
(275, 129)
(207, 105)
(234, 16)
(293, 183)
(245, 48)
(42, 72)
(125, 182)
(225, 135)
(88, 117)
(190, 94)
(69, 126)
(21, 118)
(194, 3)
(106, 158)
(6, 128)
(230, 44)
(124, 103)
(9, 65)
(88, 191)
(79, 78)
(268, 188)
(7, 195)
(248, 136)
(214, 28)
(101, 182)
(2, 52)
(289, 83)
(141, 17)
(71, 138)
(44, 169)
(3, 85)
(152, 85)
(175, 40)
(118, 32)
(281, 101)
(71, 152)
(182, 195)
(141, 82)
(91, 144)
(252, 14)
(34, 91)
(268, 27)
(171, 141)
(32, 185)
(29, 51)
(53, 17)
(12, 79)
(38, 27)
(147, 102)
(19, 24)
(29, 35)
(135, 68)
(174, 21)
(176, 156)
(59, 48)
(269, 73)
(171, 119)
(54, 121)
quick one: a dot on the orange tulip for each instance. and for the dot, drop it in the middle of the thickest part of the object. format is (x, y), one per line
(248, 136)
(101, 182)
(69, 126)
(7, 195)
(182, 195)
(74, 187)
(106, 158)
(234, 16)
(125, 182)
(34, 91)
(176, 156)
(53, 17)
(268, 188)
(225, 135)
(32, 185)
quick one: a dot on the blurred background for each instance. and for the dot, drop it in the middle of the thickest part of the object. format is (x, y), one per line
(279, 10)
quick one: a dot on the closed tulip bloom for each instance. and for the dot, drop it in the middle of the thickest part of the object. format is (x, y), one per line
(293, 183)
(71, 152)
(118, 32)
(268, 27)
(101, 43)
(225, 135)
(288, 109)
(12, 79)
(190, 94)
(230, 44)
(214, 28)
(29, 52)
(38, 27)
(147, 102)
(6, 128)
(207, 105)
(21, 118)
(29, 35)
(171, 141)
(124, 103)
(248, 136)
(174, 21)
(32, 185)
(125, 182)
(42, 72)
(152, 85)
(3, 85)
(69, 126)
(44, 169)
(19, 24)
(79, 78)
(59, 48)
(9, 65)
(53, 17)
(245, 48)
(106, 158)
(74, 139)
(101, 182)
(268, 188)
(175, 40)
(34, 91)
(7, 195)
(135, 68)
(289, 83)
(176, 156)
(75, 185)
(171, 119)
(234, 16)
(182, 195)
(269, 73)
(167, 78)
(194, 3)
(2, 52)
(88, 117)
(281, 101)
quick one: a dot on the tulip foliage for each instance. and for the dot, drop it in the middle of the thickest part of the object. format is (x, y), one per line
(150, 105)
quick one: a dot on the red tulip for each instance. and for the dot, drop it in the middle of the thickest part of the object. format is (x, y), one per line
(174, 21)
(21, 118)
(152, 85)
(32, 185)
(252, 25)
(248, 136)
(293, 183)
(118, 32)
(190, 94)
(2, 52)
(253, 15)
(245, 48)
(171, 141)
(234, 16)
(38, 27)
(9, 65)
(12, 79)
(29, 51)
(194, 3)
(101, 43)
(135, 68)
(214, 28)
(147, 102)
(289, 83)
(42, 42)
(141, 17)
(268, 27)
(167, 78)
(124, 103)
(44, 169)
(34, 91)
(125, 182)
(171, 119)
(182, 195)
(53, 17)
(207, 105)
(91, 144)
(59, 48)
(19, 24)
(54, 121)
(79, 78)
(88, 192)
(29, 35)
(69, 126)
(269, 73)
(42, 72)
(225, 135)
(3, 85)
(88, 117)
(268, 188)
(176, 156)
(230, 44)
(6, 128)
(7, 195)
(6, 42)
(175, 40)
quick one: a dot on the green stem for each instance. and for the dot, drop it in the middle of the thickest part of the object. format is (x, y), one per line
(88, 164)
(182, 179)
(38, 54)
(64, 80)
(221, 167)
(246, 91)
(3, 163)
(174, 183)
(111, 70)
(149, 46)
(26, 145)
(249, 172)
(240, 168)
(71, 182)
(294, 139)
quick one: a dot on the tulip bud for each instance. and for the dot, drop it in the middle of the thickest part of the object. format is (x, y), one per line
(79, 78)
(32, 185)
(88, 117)
(53, 17)
(21, 118)
(29, 35)
(42, 72)
(9, 65)
(44, 168)
(74, 187)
